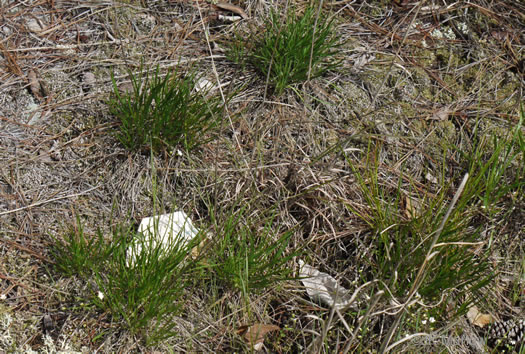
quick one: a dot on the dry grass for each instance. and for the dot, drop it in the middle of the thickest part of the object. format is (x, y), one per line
(415, 81)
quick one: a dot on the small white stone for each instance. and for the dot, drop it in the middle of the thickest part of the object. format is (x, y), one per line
(165, 230)
(229, 18)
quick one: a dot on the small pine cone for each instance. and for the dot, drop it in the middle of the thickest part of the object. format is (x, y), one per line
(510, 333)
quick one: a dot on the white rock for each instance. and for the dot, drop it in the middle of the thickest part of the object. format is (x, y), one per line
(167, 230)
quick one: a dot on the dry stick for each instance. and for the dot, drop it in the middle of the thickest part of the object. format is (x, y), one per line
(64, 47)
(260, 167)
(206, 34)
(48, 201)
(349, 304)
(409, 337)
(420, 275)
(326, 325)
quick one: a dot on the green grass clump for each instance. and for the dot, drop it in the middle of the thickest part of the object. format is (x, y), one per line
(247, 257)
(145, 291)
(439, 254)
(164, 111)
(499, 166)
(291, 50)
(77, 253)
(403, 243)
(141, 282)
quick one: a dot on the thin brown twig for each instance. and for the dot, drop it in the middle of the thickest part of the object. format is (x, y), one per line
(49, 201)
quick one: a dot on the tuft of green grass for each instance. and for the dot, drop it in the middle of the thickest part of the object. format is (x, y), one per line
(147, 292)
(439, 255)
(402, 245)
(238, 48)
(433, 256)
(141, 281)
(164, 111)
(77, 253)
(457, 265)
(499, 166)
(248, 257)
(290, 50)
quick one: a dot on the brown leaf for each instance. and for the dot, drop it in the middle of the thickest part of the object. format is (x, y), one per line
(256, 332)
(412, 207)
(232, 8)
(34, 85)
(479, 319)
(441, 114)
(37, 87)
(483, 320)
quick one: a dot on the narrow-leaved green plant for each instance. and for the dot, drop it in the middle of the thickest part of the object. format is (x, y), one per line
(295, 48)
(164, 111)
(247, 257)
